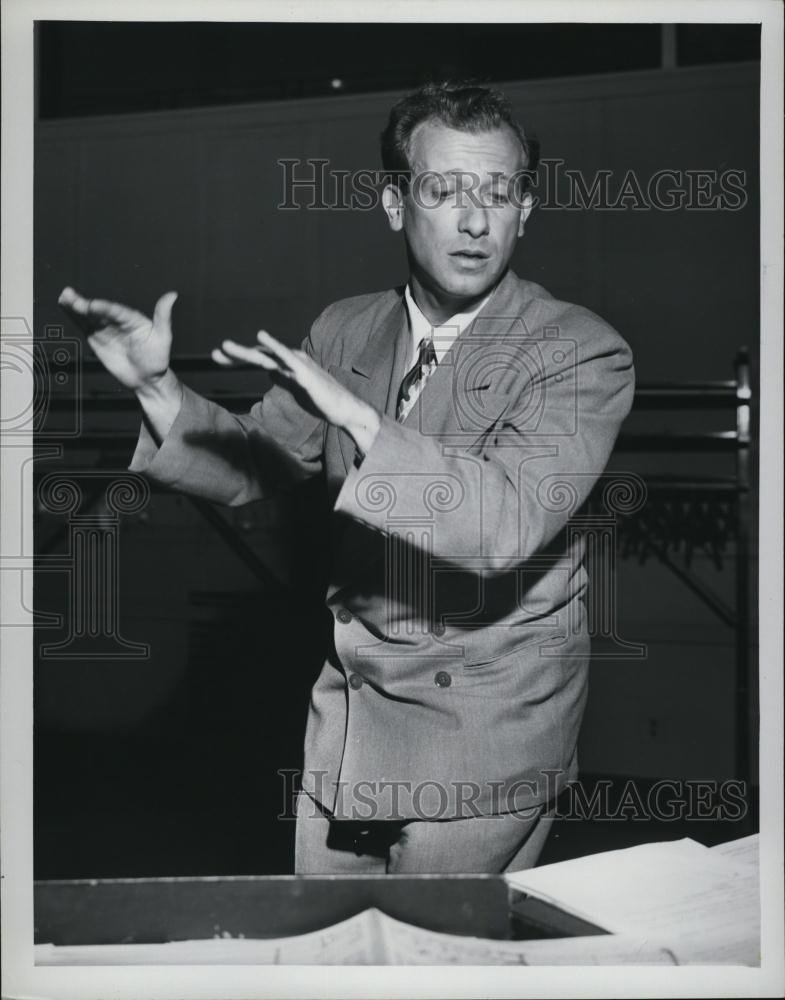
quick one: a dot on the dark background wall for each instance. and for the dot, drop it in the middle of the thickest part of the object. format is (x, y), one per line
(169, 764)
(90, 68)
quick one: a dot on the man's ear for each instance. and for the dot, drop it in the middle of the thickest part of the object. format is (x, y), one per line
(527, 204)
(392, 201)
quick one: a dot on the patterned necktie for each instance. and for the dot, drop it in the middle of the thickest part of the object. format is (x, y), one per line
(416, 377)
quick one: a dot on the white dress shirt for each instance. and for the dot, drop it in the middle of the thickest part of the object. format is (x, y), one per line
(444, 335)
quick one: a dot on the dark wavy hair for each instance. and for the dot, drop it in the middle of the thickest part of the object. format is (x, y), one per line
(461, 105)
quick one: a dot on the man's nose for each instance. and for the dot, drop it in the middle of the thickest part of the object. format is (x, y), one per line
(474, 221)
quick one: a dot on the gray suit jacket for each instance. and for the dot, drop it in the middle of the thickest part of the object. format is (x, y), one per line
(457, 678)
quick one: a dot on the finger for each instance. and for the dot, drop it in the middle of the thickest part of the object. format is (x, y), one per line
(251, 355)
(74, 302)
(220, 358)
(110, 312)
(162, 315)
(276, 348)
(95, 310)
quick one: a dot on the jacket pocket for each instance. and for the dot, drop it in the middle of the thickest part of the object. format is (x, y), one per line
(532, 637)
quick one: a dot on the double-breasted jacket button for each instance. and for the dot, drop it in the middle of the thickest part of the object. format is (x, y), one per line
(344, 616)
(355, 681)
(439, 629)
(442, 679)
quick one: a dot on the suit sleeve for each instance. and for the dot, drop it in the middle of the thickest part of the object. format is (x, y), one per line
(495, 506)
(230, 458)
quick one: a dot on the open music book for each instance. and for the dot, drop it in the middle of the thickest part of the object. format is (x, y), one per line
(369, 938)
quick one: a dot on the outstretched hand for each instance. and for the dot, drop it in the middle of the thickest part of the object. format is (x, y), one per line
(134, 348)
(137, 351)
(316, 391)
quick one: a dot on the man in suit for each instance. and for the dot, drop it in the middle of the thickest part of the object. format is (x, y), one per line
(458, 423)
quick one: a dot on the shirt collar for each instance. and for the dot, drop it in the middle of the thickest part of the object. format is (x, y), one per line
(443, 335)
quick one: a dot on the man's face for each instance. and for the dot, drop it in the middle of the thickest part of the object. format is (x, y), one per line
(458, 219)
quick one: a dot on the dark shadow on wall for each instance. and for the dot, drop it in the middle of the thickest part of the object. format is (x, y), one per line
(170, 766)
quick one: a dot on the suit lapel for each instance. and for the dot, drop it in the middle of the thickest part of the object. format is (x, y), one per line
(469, 389)
(461, 400)
(453, 409)
(372, 375)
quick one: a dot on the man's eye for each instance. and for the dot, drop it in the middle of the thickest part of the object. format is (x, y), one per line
(499, 198)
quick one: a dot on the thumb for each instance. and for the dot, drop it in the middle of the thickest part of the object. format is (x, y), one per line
(163, 310)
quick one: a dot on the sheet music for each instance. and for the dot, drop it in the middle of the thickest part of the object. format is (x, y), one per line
(668, 903)
(370, 938)
(407, 945)
(351, 942)
(703, 906)
(745, 850)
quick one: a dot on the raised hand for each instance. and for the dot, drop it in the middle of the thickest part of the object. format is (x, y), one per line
(316, 391)
(134, 348)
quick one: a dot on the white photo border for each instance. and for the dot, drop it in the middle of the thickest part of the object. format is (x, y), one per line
(20, 976)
